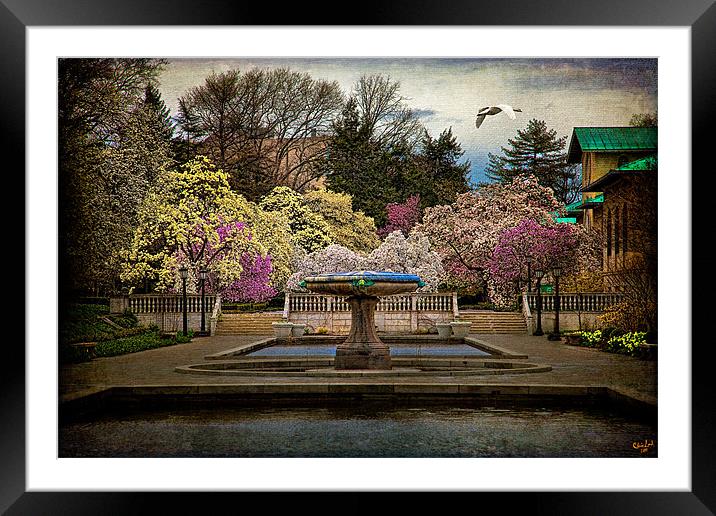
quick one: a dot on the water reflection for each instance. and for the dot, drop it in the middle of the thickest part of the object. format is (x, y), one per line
(359, 431)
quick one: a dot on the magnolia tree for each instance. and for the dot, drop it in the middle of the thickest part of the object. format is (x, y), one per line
(402, 216)
(545, 246)
(571, 247)
(410, 255)
(320, 218)
(466, 232)
(334, 258)
(193, 219)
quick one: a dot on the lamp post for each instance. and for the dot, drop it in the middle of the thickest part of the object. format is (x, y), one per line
(184, 273)
(556, 272)
(538, 274)
(529, 275)
(203, 275)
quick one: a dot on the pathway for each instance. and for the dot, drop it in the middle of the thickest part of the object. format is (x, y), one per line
(570, 366)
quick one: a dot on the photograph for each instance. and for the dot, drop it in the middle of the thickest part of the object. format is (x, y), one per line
(326, 257)
(425, 252)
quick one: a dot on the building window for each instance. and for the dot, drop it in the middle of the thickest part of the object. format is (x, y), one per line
(624, 229)
(609, 233)
(617, 233)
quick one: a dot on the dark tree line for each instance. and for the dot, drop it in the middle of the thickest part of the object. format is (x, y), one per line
(377, 170)
(265, 128)
(114, 137)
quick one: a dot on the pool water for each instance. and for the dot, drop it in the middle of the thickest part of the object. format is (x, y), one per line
(358, 431)
(395, 350)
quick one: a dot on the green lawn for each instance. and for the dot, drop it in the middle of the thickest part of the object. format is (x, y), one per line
(115, 334)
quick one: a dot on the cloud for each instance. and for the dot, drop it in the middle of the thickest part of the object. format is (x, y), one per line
(424, 112)
(448, 92)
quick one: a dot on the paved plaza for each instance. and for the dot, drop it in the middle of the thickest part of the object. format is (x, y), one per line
(571, 366)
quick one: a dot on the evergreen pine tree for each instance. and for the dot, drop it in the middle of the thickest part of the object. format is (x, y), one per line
(537, 151)
(154, 102)
(442, 176)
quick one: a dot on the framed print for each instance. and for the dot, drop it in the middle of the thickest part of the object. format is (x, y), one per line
(156, 391)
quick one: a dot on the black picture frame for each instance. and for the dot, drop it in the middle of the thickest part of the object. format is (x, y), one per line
(700, 15)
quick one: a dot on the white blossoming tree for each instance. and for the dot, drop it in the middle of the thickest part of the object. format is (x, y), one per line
(397, 253)
(409, 255)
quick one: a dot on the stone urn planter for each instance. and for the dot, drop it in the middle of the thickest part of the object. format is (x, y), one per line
(460, 329)
(298, 330)
(572, 339)
(282, 329)
(444, 330)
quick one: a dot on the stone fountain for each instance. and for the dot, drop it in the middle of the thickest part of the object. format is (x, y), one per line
(363, 349)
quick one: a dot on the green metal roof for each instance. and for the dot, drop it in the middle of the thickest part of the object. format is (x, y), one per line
(639, 166)
(590, 203)
(648, 163)
(573, 208)
(611, 139)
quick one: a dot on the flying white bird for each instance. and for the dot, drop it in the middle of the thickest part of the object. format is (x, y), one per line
(493, 110)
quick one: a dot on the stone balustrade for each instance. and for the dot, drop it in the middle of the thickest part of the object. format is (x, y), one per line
(571, 302)
(577, 311)
(402, 313)
(420, 302)
(166, 310)
(156, 303)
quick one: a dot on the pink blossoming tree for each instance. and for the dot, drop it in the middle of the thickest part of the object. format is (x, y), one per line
(466, 232)
(546, 246)
(402, 216)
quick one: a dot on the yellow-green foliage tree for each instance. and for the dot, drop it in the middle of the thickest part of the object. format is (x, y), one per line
(192, 217)
(308, 229)
(351, 229)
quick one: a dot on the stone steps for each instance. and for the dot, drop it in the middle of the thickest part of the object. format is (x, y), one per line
(495, 322)
(247, 323)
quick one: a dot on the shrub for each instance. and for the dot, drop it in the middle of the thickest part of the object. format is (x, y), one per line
(126, 320)
(322, 330)
(591, 339)
(627, 343)
(625, 315)
(181, 339)
(148, 340)
(88, 323)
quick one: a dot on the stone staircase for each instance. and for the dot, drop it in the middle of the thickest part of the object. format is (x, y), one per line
(247, 323)
(484, 321)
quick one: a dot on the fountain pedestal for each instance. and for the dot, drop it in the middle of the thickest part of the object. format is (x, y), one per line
(363, 349)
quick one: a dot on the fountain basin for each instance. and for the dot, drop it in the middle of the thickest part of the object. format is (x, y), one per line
(363, 349)
(412, 366)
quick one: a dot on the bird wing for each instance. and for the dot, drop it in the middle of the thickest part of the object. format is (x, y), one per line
(479, 120)
(508, 110)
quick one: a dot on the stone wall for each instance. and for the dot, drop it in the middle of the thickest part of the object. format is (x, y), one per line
(568, 321)
(172, 322)
(387, 322)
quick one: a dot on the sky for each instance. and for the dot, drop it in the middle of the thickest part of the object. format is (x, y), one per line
(565, 93)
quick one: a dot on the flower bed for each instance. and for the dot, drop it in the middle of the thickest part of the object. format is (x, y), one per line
(614, 341)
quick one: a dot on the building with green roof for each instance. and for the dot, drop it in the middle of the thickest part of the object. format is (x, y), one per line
(602, 149)
(619, 179)
(572, 213)
(610, 140)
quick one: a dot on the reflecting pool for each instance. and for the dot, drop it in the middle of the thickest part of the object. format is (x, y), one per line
(395, 350)
(361, 430)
